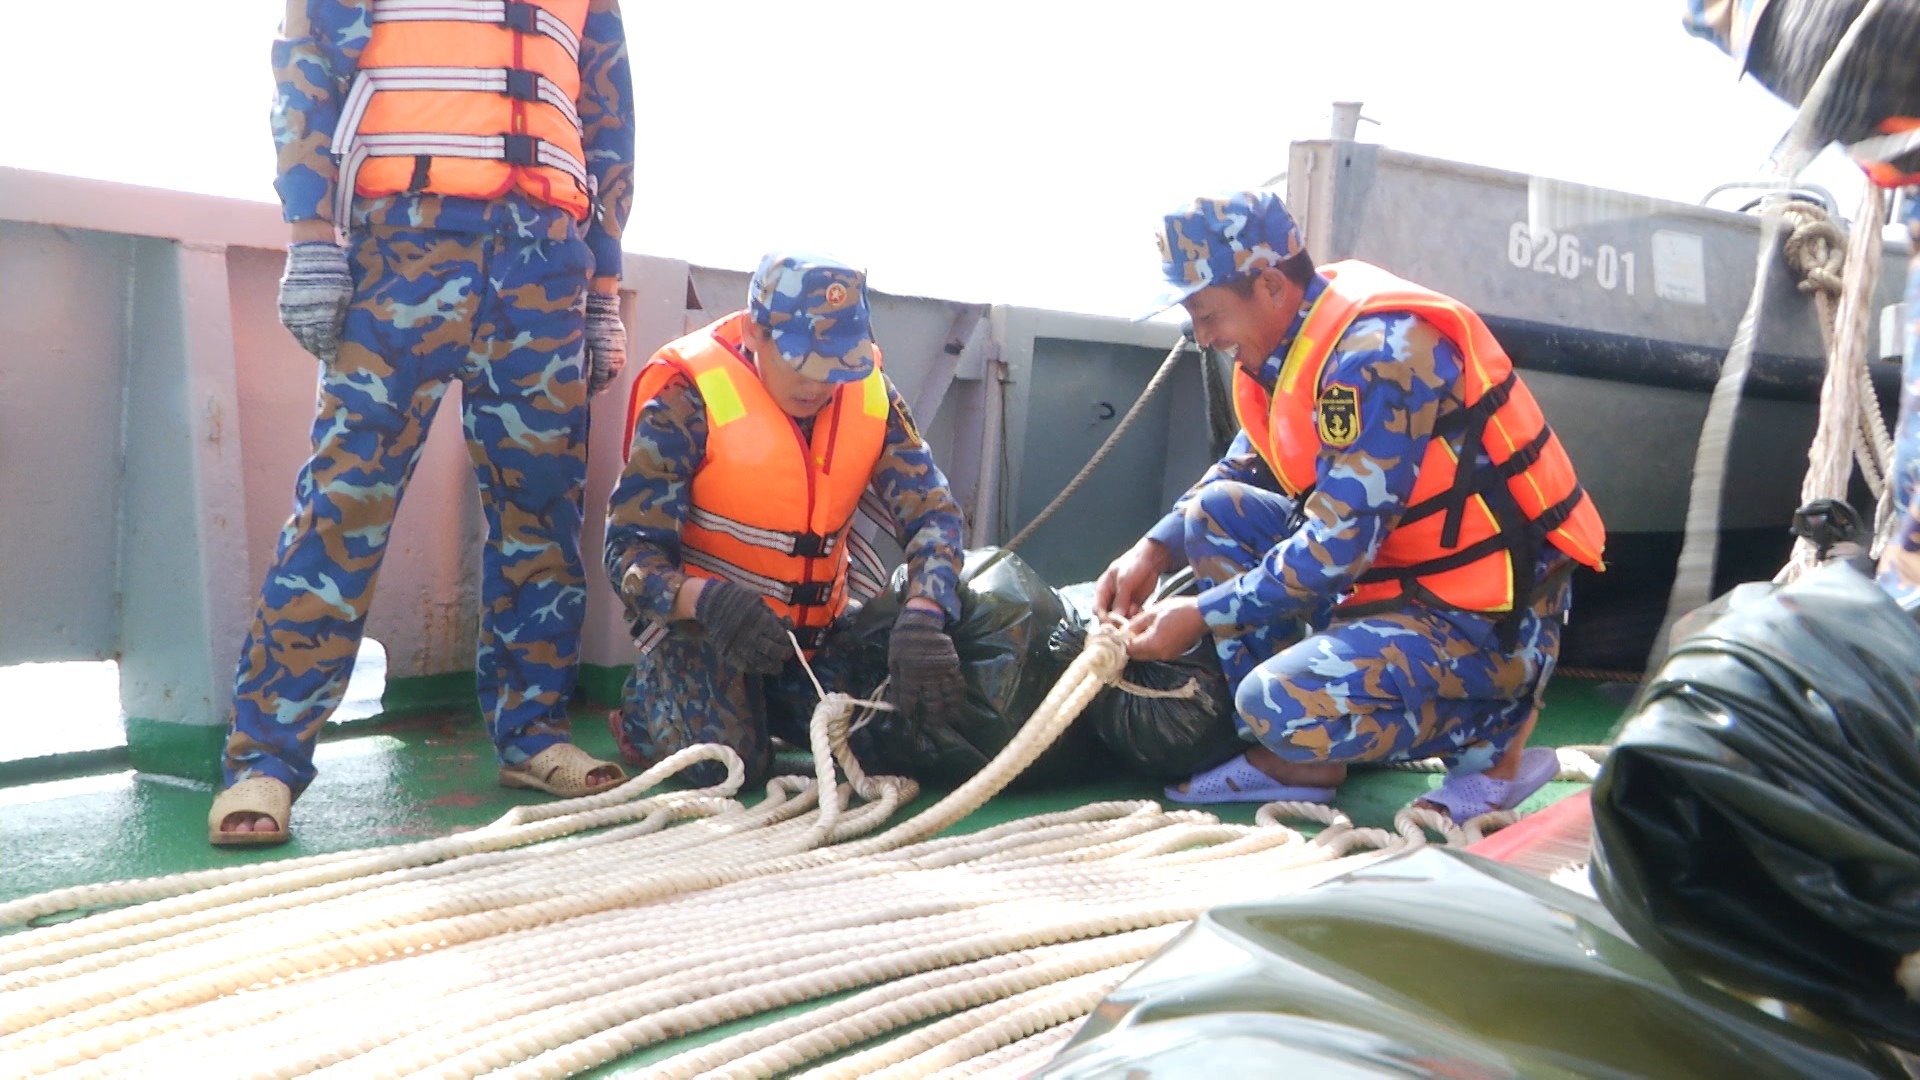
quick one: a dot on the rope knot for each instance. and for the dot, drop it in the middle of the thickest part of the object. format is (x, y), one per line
(1107, 650)
(1815, 248)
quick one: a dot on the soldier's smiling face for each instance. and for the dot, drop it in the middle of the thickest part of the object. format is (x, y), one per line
(1245, 319)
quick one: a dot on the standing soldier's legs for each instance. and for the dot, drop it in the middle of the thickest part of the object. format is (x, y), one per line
(525, 411)
(406, 332)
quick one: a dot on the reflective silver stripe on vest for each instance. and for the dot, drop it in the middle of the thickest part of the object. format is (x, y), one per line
(484, 80)
(866, 574)
(410, 144)
(878, 512)
(754, 535)
(477, 11)
(774, 588)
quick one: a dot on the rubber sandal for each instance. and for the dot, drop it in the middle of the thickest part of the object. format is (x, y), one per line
(254, 795)
(629, 754)
(561, 769)
(1239, 780)
(1468, 796)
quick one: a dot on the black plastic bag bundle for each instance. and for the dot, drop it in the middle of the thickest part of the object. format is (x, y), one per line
(1759, 819)
(1007, 615)
(1435, 964)
(1877, 80)
(1166, 738)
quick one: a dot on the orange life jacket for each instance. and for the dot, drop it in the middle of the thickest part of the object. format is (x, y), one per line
(770, 509)
(472, 98)
(1883, 172)
(1469, 537)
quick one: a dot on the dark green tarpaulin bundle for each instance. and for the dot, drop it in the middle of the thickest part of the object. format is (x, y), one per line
(1759, 820)
(1436, 964)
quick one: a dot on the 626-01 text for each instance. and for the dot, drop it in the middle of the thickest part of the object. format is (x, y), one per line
(1544, 251)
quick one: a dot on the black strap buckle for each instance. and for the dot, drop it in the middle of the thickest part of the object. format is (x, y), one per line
(521, 150)
(523, 85)
(812, 594)
(812, 545)
(520, 16)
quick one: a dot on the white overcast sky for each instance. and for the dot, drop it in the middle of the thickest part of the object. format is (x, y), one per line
(1013, 151)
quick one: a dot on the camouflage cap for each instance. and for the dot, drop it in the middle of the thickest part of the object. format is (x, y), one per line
(815, 308)
(1223, 238)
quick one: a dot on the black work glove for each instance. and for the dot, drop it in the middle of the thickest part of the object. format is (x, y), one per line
(743, 629)
(924, 666)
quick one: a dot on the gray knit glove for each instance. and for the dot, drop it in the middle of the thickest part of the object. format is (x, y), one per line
(606, 341)
(314, 293)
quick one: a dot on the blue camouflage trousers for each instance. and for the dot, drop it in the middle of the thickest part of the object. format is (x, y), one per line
(504, 313)
(682, 692)
(1404, 685)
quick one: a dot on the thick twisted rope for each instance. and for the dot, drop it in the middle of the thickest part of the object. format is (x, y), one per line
(1850, 426)
(575, 949)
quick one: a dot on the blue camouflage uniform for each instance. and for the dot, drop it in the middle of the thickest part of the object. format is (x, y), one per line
(487, 291)
(1312, 685)
(682, 691)
(1900, 563)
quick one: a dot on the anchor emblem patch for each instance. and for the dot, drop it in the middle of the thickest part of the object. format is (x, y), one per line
(1338, 415)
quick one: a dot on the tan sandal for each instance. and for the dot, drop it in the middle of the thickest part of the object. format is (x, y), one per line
(256, 795)
(561, 769)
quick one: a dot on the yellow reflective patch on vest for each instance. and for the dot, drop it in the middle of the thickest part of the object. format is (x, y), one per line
(876, 399)
(1337, 415)
(1290, 367)
(722, 397)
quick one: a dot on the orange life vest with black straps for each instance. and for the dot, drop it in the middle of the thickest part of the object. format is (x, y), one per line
(472, 98)
(770, 508)
(1470, 536)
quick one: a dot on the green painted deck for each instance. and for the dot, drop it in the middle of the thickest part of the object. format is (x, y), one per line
(426, 776)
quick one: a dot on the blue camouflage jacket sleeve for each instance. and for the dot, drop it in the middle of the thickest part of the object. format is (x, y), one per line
(1404, 374)
(652, 498)
(606, 126)
(926, 518)
(313, 62)
(1242, 463)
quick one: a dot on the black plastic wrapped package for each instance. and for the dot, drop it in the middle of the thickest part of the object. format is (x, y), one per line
(1007, 615)
(1759, 818)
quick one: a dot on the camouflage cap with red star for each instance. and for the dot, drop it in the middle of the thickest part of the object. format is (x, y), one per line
(815, 308)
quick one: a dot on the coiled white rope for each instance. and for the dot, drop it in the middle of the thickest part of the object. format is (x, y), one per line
(537, 948)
